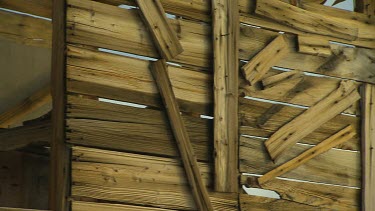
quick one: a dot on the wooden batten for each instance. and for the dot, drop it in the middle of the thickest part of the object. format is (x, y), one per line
(165, 38)
(159, 71)
(226, 71)
(41, 8)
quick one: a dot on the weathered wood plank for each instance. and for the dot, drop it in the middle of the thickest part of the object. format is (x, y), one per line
(258, 66)
(304, 20)
(160, 74)
(333, 167)
(314, 46)
(340, 137)
(311, 119)
(319, 195)
(226, 71)
(368, 143)
(36, 7)
(33, 134)
(165, 38)
(15, 114)
(25, 30)
(365, 6)
(84, 206)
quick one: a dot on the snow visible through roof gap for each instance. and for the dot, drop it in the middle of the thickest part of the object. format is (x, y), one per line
(26, 14)
(345, 5)
(117, 102)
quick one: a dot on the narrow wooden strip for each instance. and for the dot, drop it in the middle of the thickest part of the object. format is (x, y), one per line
(311, 119)
(84, 206)
(226, 70)
(340, 137)
(36, 7)
(164, 36)
(258, 66)
(368, 144)
(314, 46)
(159, 71)
(15, 114)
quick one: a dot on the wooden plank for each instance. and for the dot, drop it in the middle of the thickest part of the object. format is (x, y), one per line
(93, 123)
(165, 38)
(365, 6)
(258, 66)
(340, 137)
(84, 206)
(17, 209)
(335, 167)
(311, 119)
(226, 71)
(251, 111)
(368, 143)
(60, 153)
(16, 114)
(25, 30)
(20, 137)
(36, 7)
(320, 195)
(159, 72)
(314, 46)
(304, 20)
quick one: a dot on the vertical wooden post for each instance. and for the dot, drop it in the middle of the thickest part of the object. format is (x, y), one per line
(368, 144)
(59, 177)
(365, 6)
(225, 22)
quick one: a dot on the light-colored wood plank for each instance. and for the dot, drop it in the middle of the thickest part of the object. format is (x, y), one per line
(41, 8)
(314, 46)
(84, 206)
(200, 194)
(304, 20)
(258, 66)
(339, 138)
(311, 119)
(16, 114)
(368, 144)
(165, 38)
(25, 30)
(226, 71)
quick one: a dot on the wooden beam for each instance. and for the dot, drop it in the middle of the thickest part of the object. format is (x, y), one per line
(338, 138)
(368, 144)
(60, 156)
(165, 38)
(259, 65)
(304, 20)
(41, 8)
(16, 114)
(200, 194)
(226, 71)
(311, 119)
(365, 6)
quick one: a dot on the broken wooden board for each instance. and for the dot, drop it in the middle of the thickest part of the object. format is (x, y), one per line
(304, 20)
(311, 119)
(314, 46)
(226, 71)
(368, 144)
(165, 38)
(339, 138)
(258, 66)
(200, 194)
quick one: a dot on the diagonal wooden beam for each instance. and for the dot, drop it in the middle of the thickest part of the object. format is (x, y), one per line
(165, 38)
(226, 70)
(189, 160)
(311, 119)
(368, 145)
(27, 106)
(340, 137)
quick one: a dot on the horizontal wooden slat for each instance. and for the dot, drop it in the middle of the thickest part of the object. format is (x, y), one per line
(84, 206)
(36, 7)
(251, 110)
(320, 195)
(25, 30)
(333, 167)
(132, 129)
(137, 179)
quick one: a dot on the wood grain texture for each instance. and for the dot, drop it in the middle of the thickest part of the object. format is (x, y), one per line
(25, 30)
(338, 138)
(368, 143)
(311, 119)
(258, 66)
(84, 206)
(304, 20)
(333, 167)
(226, 71)
(200, 194)
(16, 114)
(36, 7)
(314, 46)
(165, 38)
(320, 195)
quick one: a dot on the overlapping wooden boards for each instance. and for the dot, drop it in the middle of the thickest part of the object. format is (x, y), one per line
(150, 181)
(226, 70)
(41, 8)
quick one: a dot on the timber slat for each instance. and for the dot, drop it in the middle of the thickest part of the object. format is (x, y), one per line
(41, 8)
(84, 206)
(311, 119)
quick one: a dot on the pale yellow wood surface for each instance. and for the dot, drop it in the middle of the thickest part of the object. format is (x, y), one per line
(92, 206)
(36, 7)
